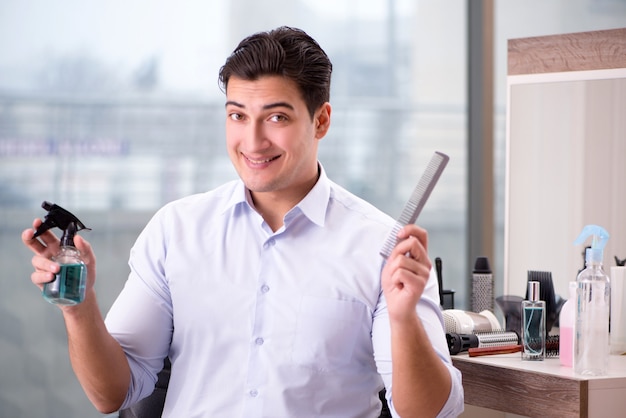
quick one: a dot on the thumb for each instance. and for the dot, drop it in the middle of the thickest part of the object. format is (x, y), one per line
(85, 249)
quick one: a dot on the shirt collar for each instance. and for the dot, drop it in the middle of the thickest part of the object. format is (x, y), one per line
(315, 203)
(239, 195)
(313, 206)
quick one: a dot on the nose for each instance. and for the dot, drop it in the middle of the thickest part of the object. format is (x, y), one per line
(256, 136)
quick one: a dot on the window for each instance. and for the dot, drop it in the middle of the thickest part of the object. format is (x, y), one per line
(113, 110)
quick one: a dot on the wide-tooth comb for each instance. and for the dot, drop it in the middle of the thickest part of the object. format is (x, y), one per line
(418, 199)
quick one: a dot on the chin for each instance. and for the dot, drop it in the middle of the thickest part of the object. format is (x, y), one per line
(258, 186)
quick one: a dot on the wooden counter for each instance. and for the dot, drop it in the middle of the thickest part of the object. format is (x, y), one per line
(540, 389)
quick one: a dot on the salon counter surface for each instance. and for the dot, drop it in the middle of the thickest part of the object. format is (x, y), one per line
(542, 388)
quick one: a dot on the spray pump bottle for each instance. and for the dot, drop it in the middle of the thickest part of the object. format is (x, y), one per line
(68, 287)
(593, 296)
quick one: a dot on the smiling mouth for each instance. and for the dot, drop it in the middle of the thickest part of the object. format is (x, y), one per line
(264, 161)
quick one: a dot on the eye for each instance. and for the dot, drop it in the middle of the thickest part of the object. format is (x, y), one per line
(278, 118)
(235, 116)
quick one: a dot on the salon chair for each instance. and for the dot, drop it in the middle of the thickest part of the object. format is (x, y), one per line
(152, 406)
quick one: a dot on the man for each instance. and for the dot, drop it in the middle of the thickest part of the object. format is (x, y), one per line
(268, 293)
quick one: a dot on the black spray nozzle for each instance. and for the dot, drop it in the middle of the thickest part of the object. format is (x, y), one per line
(62, 219)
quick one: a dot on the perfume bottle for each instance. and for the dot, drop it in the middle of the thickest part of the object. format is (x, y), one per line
(68, 286)
(533, 325)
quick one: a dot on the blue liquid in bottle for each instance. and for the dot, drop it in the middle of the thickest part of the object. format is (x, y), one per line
(534, 333)
(533, 325)
(68, 287)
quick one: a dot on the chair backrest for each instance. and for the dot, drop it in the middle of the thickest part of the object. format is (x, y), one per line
(152, 406)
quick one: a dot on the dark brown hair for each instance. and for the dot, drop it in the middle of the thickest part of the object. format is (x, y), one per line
(287, 52)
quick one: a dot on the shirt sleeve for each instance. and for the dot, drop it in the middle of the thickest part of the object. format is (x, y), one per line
(432, 319)
(140, 319)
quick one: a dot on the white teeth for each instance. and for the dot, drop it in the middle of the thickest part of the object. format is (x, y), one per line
(260, 161)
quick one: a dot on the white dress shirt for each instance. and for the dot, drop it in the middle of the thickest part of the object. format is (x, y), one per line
(291, 323)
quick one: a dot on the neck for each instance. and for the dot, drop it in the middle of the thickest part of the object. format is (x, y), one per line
(273, 206)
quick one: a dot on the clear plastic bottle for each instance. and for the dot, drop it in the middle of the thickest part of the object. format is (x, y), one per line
(567, 319)
(533, 325)
(68, 287)
(593, 296)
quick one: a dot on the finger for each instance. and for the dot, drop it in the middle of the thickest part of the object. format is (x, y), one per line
(46, 244)
(416, 267)
(86, 252)
(414, 230)
(47, 247)
(34, 244)
(28, 234)
(40, 278)
(45, 270)
(37, 223)
(411, 247)
(83, 246)
(49, 239)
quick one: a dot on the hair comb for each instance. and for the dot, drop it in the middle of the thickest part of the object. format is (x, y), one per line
(418, 199)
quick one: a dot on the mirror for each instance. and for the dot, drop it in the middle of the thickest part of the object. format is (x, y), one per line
(566, 168)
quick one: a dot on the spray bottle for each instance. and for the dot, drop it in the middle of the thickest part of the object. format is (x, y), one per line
(68, 286)
(593, 296)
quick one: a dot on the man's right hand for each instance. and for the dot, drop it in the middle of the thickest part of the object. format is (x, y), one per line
(47, 246)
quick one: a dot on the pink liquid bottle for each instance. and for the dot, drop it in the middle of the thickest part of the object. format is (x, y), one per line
(567, 318)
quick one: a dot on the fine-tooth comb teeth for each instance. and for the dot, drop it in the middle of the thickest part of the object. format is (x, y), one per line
(418, 199)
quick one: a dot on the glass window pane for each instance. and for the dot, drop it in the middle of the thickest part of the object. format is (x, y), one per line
(112, 110)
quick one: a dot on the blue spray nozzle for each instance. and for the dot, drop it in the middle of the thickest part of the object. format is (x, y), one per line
(600, 237)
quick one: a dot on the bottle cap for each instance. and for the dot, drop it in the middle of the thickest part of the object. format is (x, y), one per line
(481, 266)
(533, 291)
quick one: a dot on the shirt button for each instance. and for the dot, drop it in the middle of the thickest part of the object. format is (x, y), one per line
(259, 341)
(254, 393)
(265, 288)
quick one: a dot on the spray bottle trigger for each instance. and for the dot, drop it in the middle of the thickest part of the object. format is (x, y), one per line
(59, 218)
(600, 237)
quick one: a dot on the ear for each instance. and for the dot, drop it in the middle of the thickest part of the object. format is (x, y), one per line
(322, 120)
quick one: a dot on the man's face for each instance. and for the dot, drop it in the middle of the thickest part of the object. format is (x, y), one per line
(271, 139)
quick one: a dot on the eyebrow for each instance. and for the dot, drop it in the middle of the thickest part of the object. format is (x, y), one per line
(265, 107)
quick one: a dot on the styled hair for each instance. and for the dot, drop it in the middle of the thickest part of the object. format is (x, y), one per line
(286, 52)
